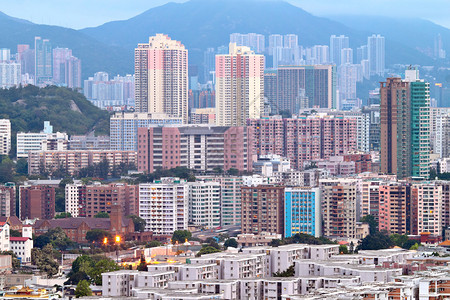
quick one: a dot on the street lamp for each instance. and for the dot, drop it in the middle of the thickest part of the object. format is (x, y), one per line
(117, 240)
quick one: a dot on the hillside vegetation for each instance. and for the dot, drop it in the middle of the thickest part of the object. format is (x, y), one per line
(67, 110)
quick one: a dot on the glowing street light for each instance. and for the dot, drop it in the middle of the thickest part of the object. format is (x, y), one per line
(117, 240)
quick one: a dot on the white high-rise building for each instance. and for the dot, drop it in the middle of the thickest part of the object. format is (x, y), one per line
(204, 204)
(239, 86)
(322, 54)
(254, 41)
(348, 75)
(230, 197)
(376, 54)
(337, 43)
(426, 207)
(440, 131)
(161, 77)
(72, 199)
(10, 74)
(5, 54)
(5, 136)
(346, 56)
(275, 40)
(291, 41)
(163, 205)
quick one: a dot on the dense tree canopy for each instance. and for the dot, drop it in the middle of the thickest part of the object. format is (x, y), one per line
(102, 215)
(90, 268)
(83, 289)
(44, 259)
(139, 223)
(181, 236)
(56, 237)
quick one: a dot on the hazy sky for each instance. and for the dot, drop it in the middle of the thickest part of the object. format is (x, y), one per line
(86, 13)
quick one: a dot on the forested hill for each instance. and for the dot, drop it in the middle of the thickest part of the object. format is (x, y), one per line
(67, 110)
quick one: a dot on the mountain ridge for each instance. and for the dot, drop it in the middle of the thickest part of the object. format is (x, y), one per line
(200, 24)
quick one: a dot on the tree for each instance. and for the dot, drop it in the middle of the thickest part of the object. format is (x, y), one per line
(97, 235)
(212, 243)
(22, 166)
(218, 170)
(276, 243)
(102, 215)
(56, 237)
(181, 236)
(289, 272)
(409, 244)
(153, 244)
(80, 269)
(414, 247)
(139, 223)
(399, 240)
(63, 215)
(103, 266)
(373, 225)
(377, 241)
(207, 250)
(90, 268)
(83, 289)
(343, 249)
(6, 169)
(233, 171)
(14, 233)
(44, 260)
(230, 243)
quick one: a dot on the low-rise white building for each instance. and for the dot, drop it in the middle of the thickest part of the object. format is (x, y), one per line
(4, 236)
(121, 283)
(21, 246)
(44, 140)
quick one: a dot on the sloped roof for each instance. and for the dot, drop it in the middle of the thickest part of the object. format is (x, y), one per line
(445, 243)
(74, 223)
(18, 239)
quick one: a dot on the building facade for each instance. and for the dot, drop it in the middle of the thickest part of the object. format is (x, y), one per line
(394, 208)
(262, 209)
(405, 126)
(72, 161)
(45, 140)
(37, 202)
(161, 77)
(195, 147)
(302, 211)
(339, 202)
(164, 205)
(204, 204)
(303, 139)
(317, 83)
(239, 86)
(426, 208)
(124, 127)
(93, 199)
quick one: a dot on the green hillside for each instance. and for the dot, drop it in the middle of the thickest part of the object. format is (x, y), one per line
(67, 110)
